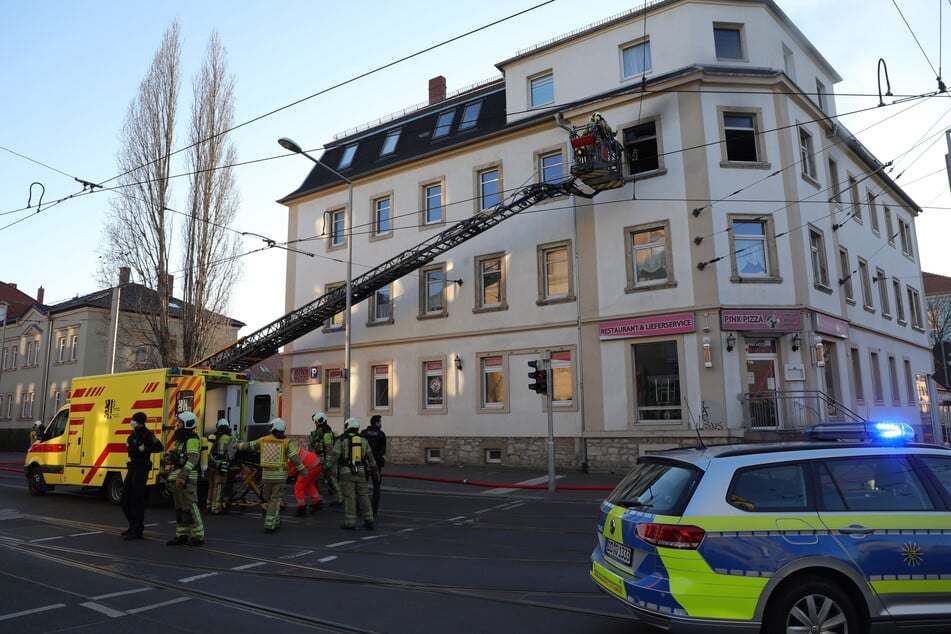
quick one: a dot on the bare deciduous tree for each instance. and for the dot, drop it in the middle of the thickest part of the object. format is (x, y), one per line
(141, 232)
(939, 318)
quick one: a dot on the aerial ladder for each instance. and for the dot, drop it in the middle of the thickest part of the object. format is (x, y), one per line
(596, 166)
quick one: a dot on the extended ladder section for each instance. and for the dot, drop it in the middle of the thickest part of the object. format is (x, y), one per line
(247, 351)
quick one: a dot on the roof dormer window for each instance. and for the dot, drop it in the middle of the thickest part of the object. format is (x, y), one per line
(347, 157)
(470, 115)
(443, 123)
(389, 143)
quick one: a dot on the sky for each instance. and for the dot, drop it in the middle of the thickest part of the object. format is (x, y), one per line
(311, 69)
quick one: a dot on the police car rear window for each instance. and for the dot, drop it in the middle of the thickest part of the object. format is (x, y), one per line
(656, 487)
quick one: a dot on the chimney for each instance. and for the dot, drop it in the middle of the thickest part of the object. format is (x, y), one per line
(125, 273)
(437, 89)
(39, 295)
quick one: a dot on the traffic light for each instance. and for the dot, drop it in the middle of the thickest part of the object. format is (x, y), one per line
(540, 386)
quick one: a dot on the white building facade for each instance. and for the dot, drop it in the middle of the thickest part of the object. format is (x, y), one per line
(757, 273)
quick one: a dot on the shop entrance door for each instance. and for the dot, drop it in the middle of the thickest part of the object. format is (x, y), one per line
(762, 384)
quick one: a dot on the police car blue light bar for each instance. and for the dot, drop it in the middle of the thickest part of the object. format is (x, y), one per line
(880, 431)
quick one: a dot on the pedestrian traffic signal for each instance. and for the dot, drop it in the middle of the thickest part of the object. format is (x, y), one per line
(540, 386)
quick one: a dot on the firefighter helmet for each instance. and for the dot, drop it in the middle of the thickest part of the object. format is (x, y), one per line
(223, 422)
(278, 424)
(189, 420)
(38, 425)
(320, 418)
(352, 423)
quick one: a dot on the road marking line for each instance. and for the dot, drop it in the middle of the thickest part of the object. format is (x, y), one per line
(457, 518)
(197, 577)
(251, 565)
(538, 480)
(407, 530)
(326, 559)
(89, 533)
(349, 541)
(102, 609)
(146, 608)
(369, 537)
(119, 594)
(33, 611)
(45, 539)
(296, 555)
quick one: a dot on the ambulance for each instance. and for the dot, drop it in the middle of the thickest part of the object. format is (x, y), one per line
(84, 444)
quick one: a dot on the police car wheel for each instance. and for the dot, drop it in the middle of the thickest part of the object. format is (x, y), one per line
(812, 604)
(35, 480)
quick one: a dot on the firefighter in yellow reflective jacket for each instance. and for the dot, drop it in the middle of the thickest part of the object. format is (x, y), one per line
(351, 458)
(275, 450)
(321, 442)
(182, 464)
(219, 466)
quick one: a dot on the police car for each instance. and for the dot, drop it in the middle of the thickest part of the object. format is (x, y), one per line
(847, 532)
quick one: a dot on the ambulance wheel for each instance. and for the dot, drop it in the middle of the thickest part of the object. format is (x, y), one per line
(113, 487)
(813, 604)
(35, 480)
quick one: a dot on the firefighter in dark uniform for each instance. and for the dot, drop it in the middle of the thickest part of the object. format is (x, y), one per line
(321, 442)
(377, 441)
(140, 444)
(219, 466)
(276, 450)
(182, 460)
(351, 458)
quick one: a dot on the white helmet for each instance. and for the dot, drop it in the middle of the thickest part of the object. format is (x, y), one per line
(38, 424)
(189, 420)
(352, 423)
(278, 424)
(223, 422)
(319, 417)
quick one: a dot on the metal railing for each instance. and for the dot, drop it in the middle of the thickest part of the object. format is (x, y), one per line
(775, 410)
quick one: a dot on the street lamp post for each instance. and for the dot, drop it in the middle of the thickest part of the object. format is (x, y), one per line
(288, 144)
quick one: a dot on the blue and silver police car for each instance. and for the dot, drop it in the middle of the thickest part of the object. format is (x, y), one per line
(844, 533)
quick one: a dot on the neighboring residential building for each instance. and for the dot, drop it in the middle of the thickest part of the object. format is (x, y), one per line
(759, 273)
(938, 298)
(46, 346)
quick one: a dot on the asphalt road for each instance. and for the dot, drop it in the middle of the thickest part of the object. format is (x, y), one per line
(445, 555)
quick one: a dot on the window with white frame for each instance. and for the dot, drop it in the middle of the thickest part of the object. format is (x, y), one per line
(433, 204)
(878, 393)
(648, 255)
(893, 380)
(551, 167)
(14, 356)
(381, 305)
(336, 321)
(835, 187)
(381, 387)
(541, 89)
(382, 216)
(657, 381)
(389, 143)
(74, 347)
(899, 301)
(750, 240)
(820, 267)
(909, 381)
(807, 159)
(562, 378)
(493, 382)
(61, 349)
(845, 275)
(434, 381)
(873, 213)
(57, 400)
(858, 388)
(641, 148)
(490, 188)
(821, 98)
(347, 157)
(882, 282)
(32, 352)
(854, 195)
(338, 228)
(432, 291)
(889, 226)
(635, 59)
(26, 408)
(470, 115)
(914, 307)
(904, 232)
(333, 391)
(739, 137)
(789, 62)
(443, 123)
(9, 406)
(5, 358)
(3, 401)
(555, 277)
(728, 41)
(490, 281)
(866, 281)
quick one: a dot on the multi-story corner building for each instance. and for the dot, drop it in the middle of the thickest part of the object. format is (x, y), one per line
(46, 346)
(757, 272)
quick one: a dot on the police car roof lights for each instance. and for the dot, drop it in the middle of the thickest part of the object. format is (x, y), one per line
(875, 431)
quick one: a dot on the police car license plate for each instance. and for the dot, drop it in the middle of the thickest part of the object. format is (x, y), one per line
(617, 552)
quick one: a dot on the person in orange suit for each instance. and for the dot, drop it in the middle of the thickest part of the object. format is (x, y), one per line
(306, 485)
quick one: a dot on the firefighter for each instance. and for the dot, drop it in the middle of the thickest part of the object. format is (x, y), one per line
(36, 432)
(351, 457)
(182, 460)
(377, 441)
(140, 444)
(321, 442)
(304, 485)
(276, 450)
(219, 466)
